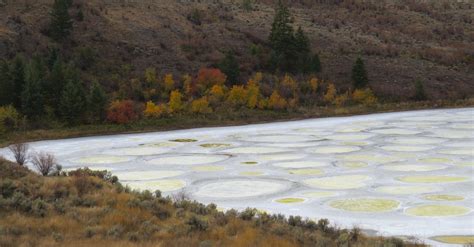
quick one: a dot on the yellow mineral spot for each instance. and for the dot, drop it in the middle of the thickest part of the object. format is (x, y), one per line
(413, 168)
(435, 160)
(353, 164)
(372, 205)
(431, 179)
(184, 140)
(249, 163)
(251, 173)
(215, 145)
(437, 210)
(306, 171)
(455, 239)
(290, 200)
(441, 197)
(338, 182)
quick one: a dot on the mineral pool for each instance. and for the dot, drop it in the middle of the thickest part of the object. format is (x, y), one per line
(396, 174)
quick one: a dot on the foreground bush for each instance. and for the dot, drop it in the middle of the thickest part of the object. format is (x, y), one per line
(90, 208)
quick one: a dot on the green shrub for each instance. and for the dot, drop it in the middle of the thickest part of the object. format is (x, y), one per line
(39, 208)
(9, 119)
(197, 224)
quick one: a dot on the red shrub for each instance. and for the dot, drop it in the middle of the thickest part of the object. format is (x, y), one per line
(122, 112)
(210, 77)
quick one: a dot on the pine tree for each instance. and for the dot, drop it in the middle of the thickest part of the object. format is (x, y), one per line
(55, 85)
(282, 39)
(281, 35)
(61, 23)
(97, 101)
(359, 74)
(231, 68)
(17, 75)
(302, 42)
(6, 84)
(72, 102)
(32, 96)
(315, 64)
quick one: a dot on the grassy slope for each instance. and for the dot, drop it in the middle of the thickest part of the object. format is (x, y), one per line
(400, 42)
(217, 119)
(85, 209)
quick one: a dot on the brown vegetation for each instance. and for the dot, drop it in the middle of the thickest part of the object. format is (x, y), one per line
(87, 208)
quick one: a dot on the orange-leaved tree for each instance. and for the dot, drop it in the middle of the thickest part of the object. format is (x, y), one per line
(122, 112)
(276, 102)
(216, 95)
(208, 77)
(330, 93)
(154, 111)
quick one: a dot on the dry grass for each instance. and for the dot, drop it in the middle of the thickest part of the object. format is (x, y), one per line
(49, 211)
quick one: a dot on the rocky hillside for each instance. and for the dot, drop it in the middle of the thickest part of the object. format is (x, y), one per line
(401, 41)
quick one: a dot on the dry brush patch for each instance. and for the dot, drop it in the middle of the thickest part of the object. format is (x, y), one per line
(97, 211)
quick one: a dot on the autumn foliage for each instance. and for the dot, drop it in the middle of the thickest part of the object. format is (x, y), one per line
(122, 112)
(276, 102)
(208, 77)
(201, 106)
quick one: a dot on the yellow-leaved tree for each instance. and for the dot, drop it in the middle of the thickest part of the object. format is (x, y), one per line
(154, 111)
(364, 96)
(289, 86)
(253, 94)
(201, 106)
(341, 100)
(176, 102)
(168, 83)
(276, 102)
(237, 96)
(330, 94)
(216, 95)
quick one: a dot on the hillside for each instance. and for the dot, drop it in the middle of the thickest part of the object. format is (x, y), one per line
(88, 208)
(401, 41)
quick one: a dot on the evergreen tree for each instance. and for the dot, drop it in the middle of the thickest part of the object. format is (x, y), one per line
(55, 85)
(359, 74)
(315, 64)
(282, 39)
(72, 104)
(17, 76)
(6, 84)
(302, 42)
(61, 23)
(53, 56)
(231, 68)
(32, 95)
(97, 101)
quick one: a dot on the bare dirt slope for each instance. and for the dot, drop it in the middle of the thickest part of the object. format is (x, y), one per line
(401, 41)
